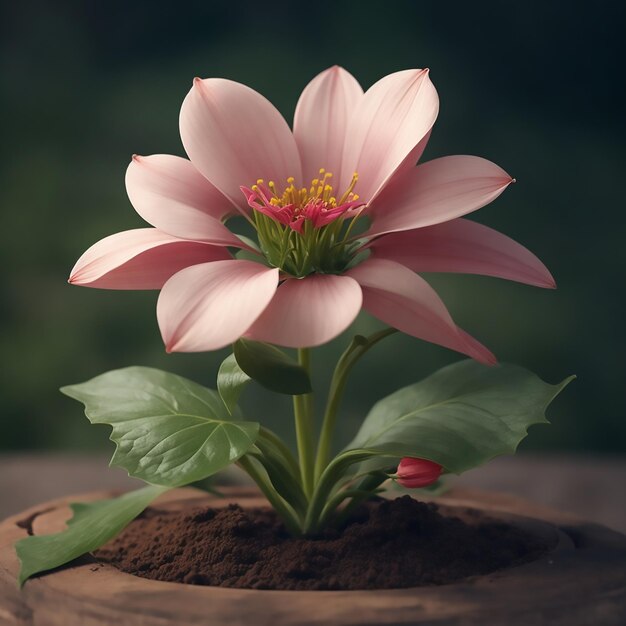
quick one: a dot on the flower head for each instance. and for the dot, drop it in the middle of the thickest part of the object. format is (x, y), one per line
(417, 473)
(350, 158)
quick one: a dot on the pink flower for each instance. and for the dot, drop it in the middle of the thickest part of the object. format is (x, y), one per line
(350, 158)
(416, 473)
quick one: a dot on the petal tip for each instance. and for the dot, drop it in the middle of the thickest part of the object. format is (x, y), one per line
(419, 74)
(544, 279)
(74, 278)
(490, 359)
(334, 70)
(485, 358)
(477, 350)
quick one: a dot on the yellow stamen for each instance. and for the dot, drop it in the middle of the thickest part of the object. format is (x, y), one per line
(272, 187)
(320, 191)
(353, 182)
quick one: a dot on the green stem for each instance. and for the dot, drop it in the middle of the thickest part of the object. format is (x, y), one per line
(351, 225)
(282, 508)
(283, 478)
(324, 486)
(364, 491)
(286, 453)
(303, 414)
(358, 347)
(337, 499)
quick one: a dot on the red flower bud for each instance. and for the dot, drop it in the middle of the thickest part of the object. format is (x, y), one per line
(415, 473)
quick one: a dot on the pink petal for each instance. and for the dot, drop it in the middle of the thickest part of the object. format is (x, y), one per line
(169, 193)
(400, 298)
(465, 247)
(391, 120)
(234, 136)
(408, 165)
(209, 306)
(321, 120)
(415, 473)
(435, 192)
(139, 259)
(309, 311)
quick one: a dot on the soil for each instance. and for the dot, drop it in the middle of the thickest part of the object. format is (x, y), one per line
(386, 544)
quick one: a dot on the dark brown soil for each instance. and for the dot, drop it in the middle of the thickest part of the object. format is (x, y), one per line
(387, 544)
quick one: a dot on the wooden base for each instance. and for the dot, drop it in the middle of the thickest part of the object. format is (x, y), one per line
(582, 581)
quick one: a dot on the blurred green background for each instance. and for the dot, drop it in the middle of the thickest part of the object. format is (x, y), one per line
(537, 87)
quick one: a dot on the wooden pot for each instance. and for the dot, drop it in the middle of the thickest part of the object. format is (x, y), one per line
(581, 581)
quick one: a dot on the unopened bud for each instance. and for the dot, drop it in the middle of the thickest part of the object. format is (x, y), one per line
(416, 473)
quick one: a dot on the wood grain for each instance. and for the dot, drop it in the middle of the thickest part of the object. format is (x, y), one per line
(581, 582)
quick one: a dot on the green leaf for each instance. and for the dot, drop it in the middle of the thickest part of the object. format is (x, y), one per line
(92, 525)
(271, 367)
(168, 430)
(231, 381)
(460, 417)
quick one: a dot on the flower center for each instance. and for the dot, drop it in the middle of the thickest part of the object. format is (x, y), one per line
(303, 230)
(294, 207)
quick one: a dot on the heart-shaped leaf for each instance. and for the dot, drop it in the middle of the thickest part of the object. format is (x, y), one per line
(168, 430)
(271, 367)
(231, 381)
(460, 417)
(92, 525)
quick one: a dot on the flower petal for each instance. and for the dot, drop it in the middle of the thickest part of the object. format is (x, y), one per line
(309, 311)
(140, 259)
(402, 299)
(465, 247)
(408, 165)
(234, 136)
(435, 192)
(207, 307)
(392, 118)
(321, 121)
(170, 193)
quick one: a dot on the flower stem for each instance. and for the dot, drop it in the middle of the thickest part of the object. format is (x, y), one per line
(357, 348)
(288, 457)
(285, 511)
(324, 486)
(367, 487)
(303, 413)
(333, 503)
(280, 474)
